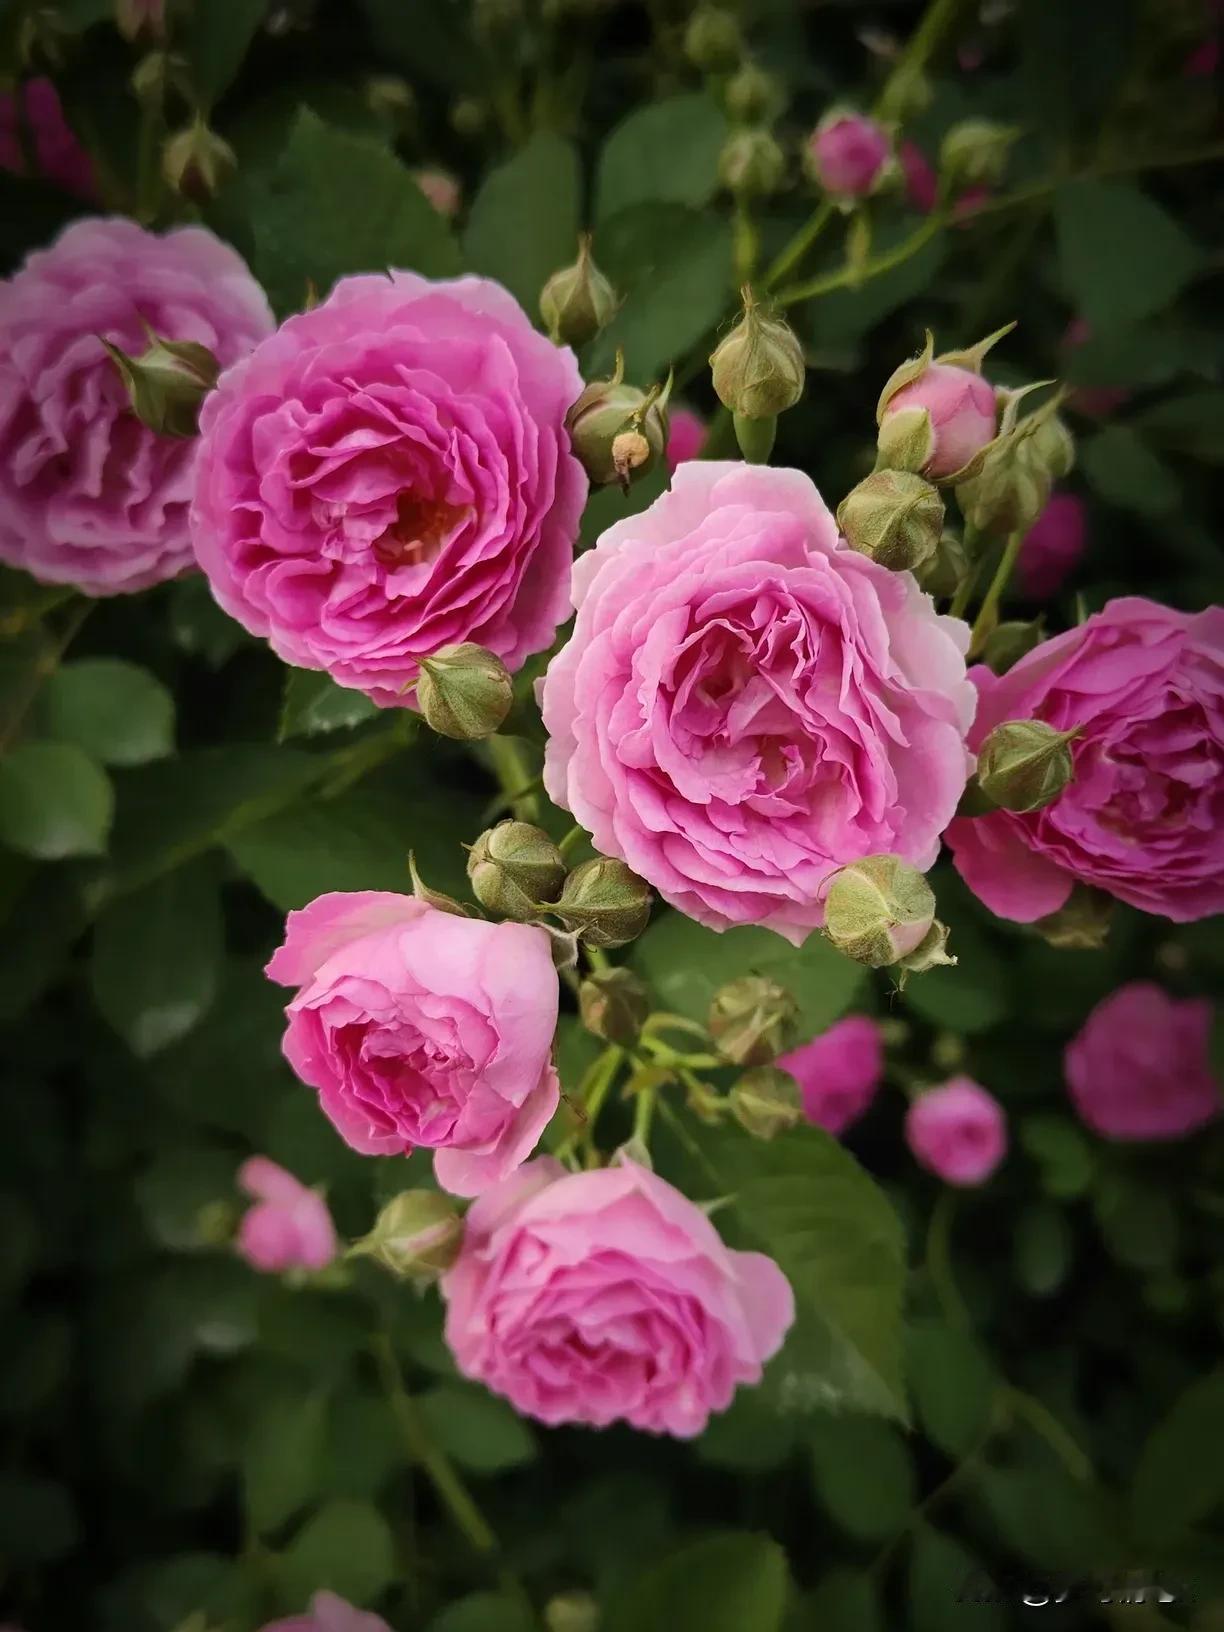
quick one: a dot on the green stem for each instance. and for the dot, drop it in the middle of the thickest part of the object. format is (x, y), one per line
(593, 1090)
(794, 252)
(939, 1260)
(573, 837)
(510, 767)
(855, 276)
(966, 1466)
(1043, 1422)
(988, 612)
(964, 592)
(643, 1115)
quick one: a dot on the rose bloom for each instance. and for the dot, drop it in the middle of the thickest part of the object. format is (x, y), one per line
(747, 704)
(1143, 818)
(957, 1131)
(88, 495)
(289, 1226)
(327, 1613)
(32, 122)
(1139, 1067)
(686, 435)
(964, 416)
(440, 188)
(419, 1027)
(608, 1296)
(838, 1072)
(1052, 546)
(390, 473)
(848, 155)
(921, 182)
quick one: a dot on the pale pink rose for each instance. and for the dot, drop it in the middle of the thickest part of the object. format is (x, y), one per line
(686, 436)
(328, 1613)
(1052, 546)
(1139, 1066)
(390, 473)
(289, 1227)
(921, 181)
(440, 188)
(32, 125)
(964, 414)
(838, 1072)
(848, 155)
(88, 495)
(1097, 401)
(1143, 818)
(747, 704)
(608, 1296)
(421, 1028)
(957, 1131)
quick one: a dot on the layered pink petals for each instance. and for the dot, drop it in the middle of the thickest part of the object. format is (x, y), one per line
(390, 473)
(848, 154)
(289, 1227)
(422, 1028)
(88, 495)
(608, 1296)
(328, 1613)
(838, 1072)
(1143, 818)
(1139, 1067)
(747, 704)
(963, 414)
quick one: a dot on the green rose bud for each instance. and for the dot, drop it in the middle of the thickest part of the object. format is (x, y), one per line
(1025, 764)
(416, 1236)
(619, 432)
(391, 99)
(614, 1005)
(943, 572)
(515, 870)
(930, 953)
(605, 902)
(1007, 643)
(894, 517)
(464, 692)
(712, 40)
(1082, 923)
(197, 163)
(751, 165)
(878, 910)
(751, 96)
(469, 116)
(572, 1612)
(766, 1102)
(974, 153)
(758, 367)
(577, 301)
(752, 1020)
(167, 383)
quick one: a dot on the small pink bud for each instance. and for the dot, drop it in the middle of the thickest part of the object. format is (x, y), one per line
(921, 182)
(964, 416)
(957, 1131)
(1096, 401)
(289, 1227)
(849, 155)
(1052, 546)
(686, 436)
(838, 1072)
(440, 188)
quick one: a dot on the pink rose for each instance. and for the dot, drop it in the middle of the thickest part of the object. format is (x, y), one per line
(440, 188)
(1139, 1067)
(608, 1296)
(921, 182)
(1143, 818)
(848, 155)
(88, 496)
(964, 416)
(1052, 546)
(289, 1226)
(419, 1027)
(838, 1072)
(686, 437)
(32, 122)
(388, 474)
(747, 704)
(1097, 401)
(957, 1131)
(328, 1613)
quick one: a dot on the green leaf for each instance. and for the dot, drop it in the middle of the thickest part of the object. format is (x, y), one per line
(362, 1450)
(282, 1457)
(1042, 1247)
(1124, 471)
(972, 996)
(478, 1429)
(864, 1475)
(113, 710)
(174, 1191)
(336, 203)
(345, 1548)
(953, 1385)
(1120, 254)
(37, 1520)
(314, 703)
(844, 1600)
(1192, 424)
(837, 320)
(729, 1582)
(54, 802)
(1179, 1478)
(750, 1434)
(1067, 1158)
(524, 222)
(200, 627)
(1045, 1515)
(431, 43)
(1139, 1223)
(484, 1612)
(215, 40)
(673, 268)
(805, 1201)
(665, 150)
(156, 958)
(943, 1586)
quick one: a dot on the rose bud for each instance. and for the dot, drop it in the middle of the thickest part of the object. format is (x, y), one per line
(611, 409)
(936, 414)
(878, 910)
(578, 300)
(893, 517)
(167, 383)
(943, 572)
(441, 189)
(196, 162)
(605, 902)
(930, 953)
(751, 96)
(751, 165)
(766, 1102)
(1008, 642)
(515, 870)
(974, 153)
(417, 1236)
(391, 99)
(572, 1612)
(1052, 546)
(752, 1020)
(838, 1072)
(849, 155)
(1082, 923)
(1140, 1067)
(1025, 764)
(1010, 487)
(289, 1226)
(613, 1004)
(686, 436)
(957, 1131)
(712, 40)
(921, 182)
(464, 691)
(759, 372)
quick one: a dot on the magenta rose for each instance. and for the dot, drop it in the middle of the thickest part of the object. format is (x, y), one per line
(921, 181)
(747, 704)
(838, 1072)
(848, 155)
(289, 1227)
(686, 436)
(957, 1131)
(1052, 546)
(1143, 818)
(608, 1296)
(964, 415)
(327, 1613)
(88, 495)
(390, 473)
(1139, 1067)
(422, 1028)
(32, 124)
